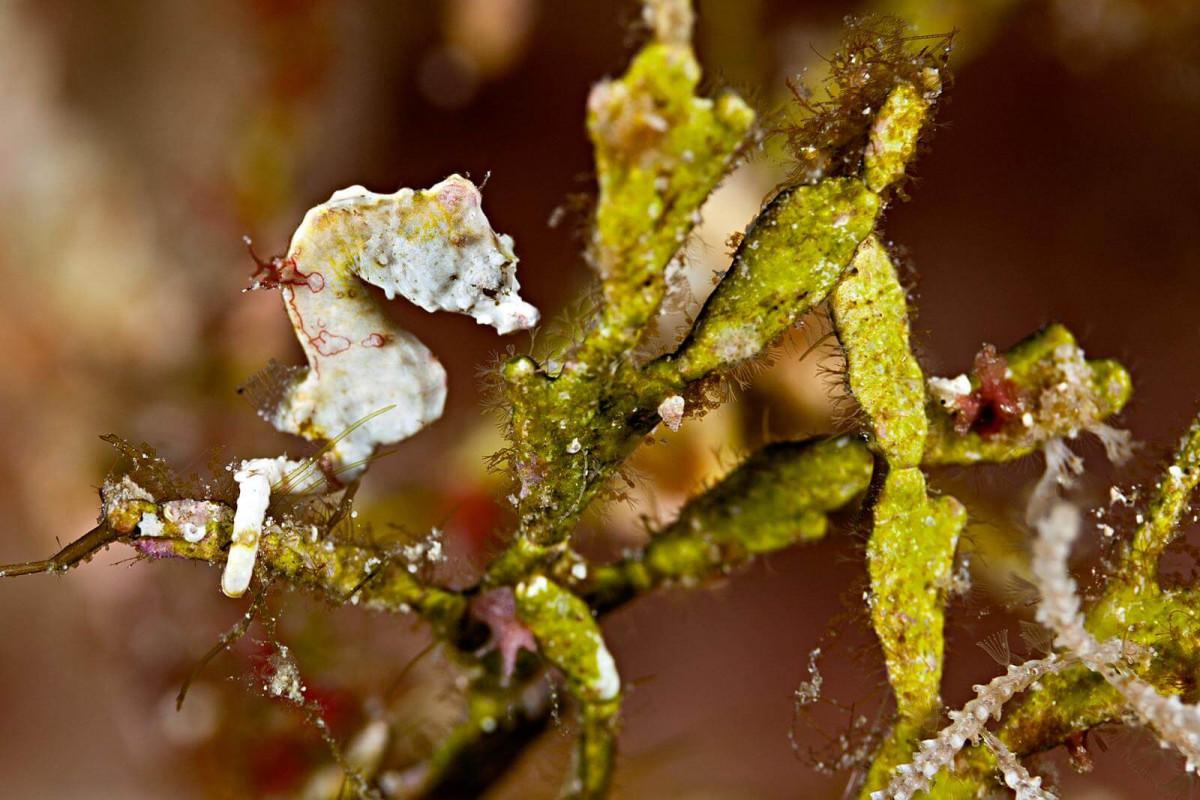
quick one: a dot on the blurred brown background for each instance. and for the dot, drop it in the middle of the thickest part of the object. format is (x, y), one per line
(140, 141)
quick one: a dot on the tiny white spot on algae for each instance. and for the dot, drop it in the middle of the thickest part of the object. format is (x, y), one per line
(947, 390)
(150, 525)
(608, 680)
(671, 411)
(536, 586)
(426, 551)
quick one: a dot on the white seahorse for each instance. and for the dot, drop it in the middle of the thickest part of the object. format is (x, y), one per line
(434, 247)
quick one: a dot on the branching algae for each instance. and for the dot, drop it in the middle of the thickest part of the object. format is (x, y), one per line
(573, 418)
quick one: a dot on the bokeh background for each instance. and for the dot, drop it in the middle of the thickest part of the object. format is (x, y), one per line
(140, 141)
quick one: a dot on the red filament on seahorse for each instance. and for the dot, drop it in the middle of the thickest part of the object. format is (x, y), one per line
(277, 271)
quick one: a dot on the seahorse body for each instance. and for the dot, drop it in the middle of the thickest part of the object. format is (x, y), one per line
(434, 247)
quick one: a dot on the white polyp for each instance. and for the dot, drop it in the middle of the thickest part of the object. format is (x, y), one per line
(192, 533)
(254, 481)
(1118, 443)
(192, 517)
(1062, 465)
(1016, 777)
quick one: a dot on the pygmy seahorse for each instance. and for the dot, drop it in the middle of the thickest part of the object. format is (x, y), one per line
(369, 383)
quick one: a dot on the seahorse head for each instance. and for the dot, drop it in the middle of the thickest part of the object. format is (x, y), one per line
(434, 247)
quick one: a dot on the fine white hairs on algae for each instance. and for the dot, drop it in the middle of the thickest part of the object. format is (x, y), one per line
(368, 382)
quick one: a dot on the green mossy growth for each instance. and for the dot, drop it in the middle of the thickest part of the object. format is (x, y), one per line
(569, 638)
(870, 310)
(345, 573)
(1166, 510)
(911, 551)
(790, 259)
(778, 497)
(660, 150)
(893, 138)
(909, 560)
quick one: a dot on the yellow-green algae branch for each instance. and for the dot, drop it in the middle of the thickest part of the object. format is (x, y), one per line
(911, 550)
(571, 429)
(304, 556)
